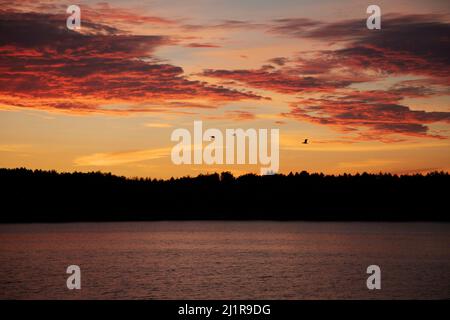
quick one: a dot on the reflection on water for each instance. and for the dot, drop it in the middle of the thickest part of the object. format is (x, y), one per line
(225, 260)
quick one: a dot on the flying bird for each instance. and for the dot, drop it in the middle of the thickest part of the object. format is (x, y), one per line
(305, 142)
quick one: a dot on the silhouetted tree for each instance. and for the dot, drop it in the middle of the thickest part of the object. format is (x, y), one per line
(39, 196)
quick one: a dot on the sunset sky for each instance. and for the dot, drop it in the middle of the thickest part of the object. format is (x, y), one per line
(108, 97)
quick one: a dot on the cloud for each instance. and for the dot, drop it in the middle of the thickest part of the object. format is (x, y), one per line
(62, 70)
(369, 114)
(123, 157)
(407, 44)
(14, 147)
(225, 25)
(294, 27)
(284, 80)
(106, 70)
(280, 61)
(157, 125)
(202, 45)
(235, 115)
(101, 12)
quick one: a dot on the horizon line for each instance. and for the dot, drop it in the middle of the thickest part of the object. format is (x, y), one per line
(302, 172)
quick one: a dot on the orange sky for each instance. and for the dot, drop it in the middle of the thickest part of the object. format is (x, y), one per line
(108, 97)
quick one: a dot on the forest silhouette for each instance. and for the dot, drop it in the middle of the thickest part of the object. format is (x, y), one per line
(49, 196)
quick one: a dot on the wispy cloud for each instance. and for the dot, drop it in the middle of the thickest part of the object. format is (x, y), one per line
(122, 157)
(14, 147)
(157, 125)
(368, 114)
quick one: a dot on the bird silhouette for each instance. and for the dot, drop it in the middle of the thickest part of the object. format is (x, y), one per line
(305, 142)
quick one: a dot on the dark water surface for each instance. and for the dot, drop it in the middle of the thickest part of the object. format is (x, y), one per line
(225, 260)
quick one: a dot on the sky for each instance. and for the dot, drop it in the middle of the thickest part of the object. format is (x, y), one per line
(108, 96)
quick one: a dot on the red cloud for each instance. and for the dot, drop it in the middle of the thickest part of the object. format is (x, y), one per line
(406, 44)
(371, 114)
(236, 115)
(202, 45)
(64, 70)
(283, 80)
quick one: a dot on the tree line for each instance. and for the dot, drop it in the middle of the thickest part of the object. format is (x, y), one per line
(49, 196)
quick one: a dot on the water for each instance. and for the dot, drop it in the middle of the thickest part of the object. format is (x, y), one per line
(225, 260)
